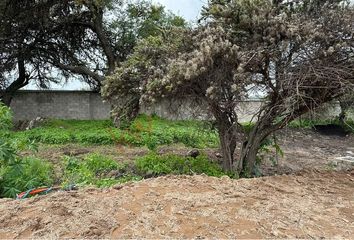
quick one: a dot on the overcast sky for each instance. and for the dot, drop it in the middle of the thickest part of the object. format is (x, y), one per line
(189, 9)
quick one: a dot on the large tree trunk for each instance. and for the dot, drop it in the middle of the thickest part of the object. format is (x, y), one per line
(344, 105)
(229, 129)
(228, 139)
(22, 80)
(249, 151)
(251, 146)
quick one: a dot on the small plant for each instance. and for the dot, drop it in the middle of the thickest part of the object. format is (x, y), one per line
(154, 165)
(5, 118)
(94, 169)
(24, 174)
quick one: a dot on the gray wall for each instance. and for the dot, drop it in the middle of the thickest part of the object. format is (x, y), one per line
(83, 105)
(86, 105)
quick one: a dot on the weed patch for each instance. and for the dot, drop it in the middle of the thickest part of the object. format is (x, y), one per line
(94, 169)
(24, 174)
(154, 165)
(144, 131)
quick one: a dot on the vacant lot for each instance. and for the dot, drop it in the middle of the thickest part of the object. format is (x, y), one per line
(305, 192)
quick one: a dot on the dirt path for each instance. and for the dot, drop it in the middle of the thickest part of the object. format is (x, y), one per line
(307, 205)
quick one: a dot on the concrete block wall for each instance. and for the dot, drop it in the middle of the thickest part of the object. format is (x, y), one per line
(86, 105)
(82, 105)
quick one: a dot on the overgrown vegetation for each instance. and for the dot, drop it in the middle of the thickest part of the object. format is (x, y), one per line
(17, 173)
(101, 171)
(96, 170)
(144, 131)
(156, 165)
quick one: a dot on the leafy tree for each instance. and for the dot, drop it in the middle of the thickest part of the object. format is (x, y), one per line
(303, 57)
(44, 41)
(298, 55)
(123, 88)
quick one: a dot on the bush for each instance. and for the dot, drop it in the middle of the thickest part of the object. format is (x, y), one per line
(24, 174)
(156, 165)
(94, 169)
(19, 174)
(5, 118)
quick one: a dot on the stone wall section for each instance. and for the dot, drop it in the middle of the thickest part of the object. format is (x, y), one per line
(86, 105)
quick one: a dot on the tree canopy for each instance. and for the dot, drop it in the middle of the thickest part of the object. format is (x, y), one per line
(44, 41)
(297, 54)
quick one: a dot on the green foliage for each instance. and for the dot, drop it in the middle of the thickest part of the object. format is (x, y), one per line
(97, 170)
(144, 131)
(18, 174)
(308, 123)
(5, 118)
(24, 174)
(248, 126)
(94, 169)
(157, 165)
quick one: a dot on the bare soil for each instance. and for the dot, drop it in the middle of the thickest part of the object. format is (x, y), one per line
(306, 205)
(310, 195)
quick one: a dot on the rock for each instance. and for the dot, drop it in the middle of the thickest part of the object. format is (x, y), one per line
(218, 155)
(75, 152)
(193, 153)
(29, 124)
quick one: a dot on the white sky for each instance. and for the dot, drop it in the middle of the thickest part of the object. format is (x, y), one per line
(189, 9)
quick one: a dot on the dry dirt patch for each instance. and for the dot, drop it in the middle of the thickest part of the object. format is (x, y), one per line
(307, 205)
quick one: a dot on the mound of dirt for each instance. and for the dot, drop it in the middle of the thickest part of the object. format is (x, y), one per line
(307, 205)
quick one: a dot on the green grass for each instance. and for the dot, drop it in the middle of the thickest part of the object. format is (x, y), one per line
(144, 131)
(95, 169)
(157, 165)
(18, 174)
(101, 171)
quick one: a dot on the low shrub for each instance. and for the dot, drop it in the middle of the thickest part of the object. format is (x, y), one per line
(154, 165)
(94, 169)
(5, 118)
(24, 174)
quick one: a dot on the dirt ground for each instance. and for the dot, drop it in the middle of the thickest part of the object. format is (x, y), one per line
(310, 195)
(308, 150)
(306, 205)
